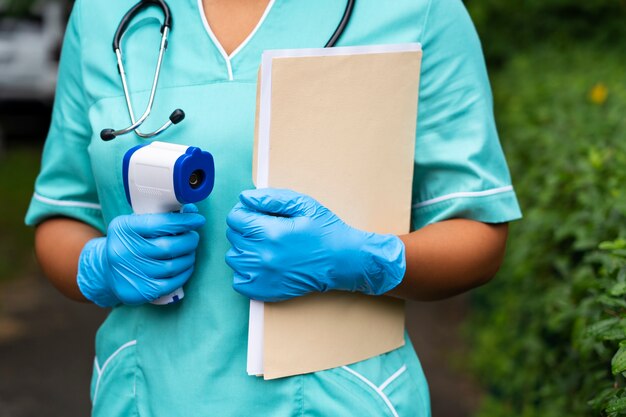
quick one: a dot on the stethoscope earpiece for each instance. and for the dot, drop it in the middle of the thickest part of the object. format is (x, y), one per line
(177, 116)
(107, 134)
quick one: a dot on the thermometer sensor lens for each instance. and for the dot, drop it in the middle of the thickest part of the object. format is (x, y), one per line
(196, 179)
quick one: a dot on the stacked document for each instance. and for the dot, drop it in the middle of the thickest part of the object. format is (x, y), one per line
(339, 125)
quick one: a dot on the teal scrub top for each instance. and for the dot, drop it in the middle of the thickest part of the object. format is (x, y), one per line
(189, 359)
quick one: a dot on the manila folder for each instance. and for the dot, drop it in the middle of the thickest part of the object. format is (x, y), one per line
(337, 124)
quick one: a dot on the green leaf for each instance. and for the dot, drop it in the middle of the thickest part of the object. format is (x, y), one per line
(618, 289)
(601, 327)
(618, 363)
(616, 333)
(616, 406)
(613, 245)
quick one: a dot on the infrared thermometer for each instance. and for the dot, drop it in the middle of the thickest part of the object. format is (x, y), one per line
(160, 177)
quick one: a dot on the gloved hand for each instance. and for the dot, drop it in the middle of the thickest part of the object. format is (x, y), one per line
(142, 258)
(286, 244)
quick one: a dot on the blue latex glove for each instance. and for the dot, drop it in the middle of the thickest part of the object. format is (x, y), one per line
(286, 244)
(142, 258)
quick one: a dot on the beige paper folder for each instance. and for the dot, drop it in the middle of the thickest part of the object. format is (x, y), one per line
(337, 124)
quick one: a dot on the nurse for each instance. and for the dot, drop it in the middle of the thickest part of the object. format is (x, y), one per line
(189, 359)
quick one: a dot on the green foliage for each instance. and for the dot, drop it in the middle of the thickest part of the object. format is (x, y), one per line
(545, 331)
(21, 8)
(608, 307)
(18, 169)
(17, 7)
(510, 26)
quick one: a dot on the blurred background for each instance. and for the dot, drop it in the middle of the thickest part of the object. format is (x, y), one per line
(546, 338)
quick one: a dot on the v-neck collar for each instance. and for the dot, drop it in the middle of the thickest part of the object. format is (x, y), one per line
(228, 58)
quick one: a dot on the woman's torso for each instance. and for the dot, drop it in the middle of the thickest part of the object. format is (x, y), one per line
(190, 358)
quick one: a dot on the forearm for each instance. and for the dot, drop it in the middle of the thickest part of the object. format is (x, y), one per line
(450, 257)
(58, 244)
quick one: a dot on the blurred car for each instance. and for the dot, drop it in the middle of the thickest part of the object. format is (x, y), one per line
(31, 33)
(29, 49)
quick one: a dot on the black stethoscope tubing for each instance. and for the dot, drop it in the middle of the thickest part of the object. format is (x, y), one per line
(130, 15)
(177, 115)
(345, 19)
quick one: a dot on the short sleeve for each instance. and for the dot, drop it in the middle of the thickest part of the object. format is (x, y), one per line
(65, 185)
(460, 170)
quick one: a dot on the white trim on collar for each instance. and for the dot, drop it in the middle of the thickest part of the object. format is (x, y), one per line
(227, 58)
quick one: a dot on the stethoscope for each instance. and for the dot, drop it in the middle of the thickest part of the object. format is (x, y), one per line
(177, 115)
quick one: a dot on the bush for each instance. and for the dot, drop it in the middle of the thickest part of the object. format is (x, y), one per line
(510, 26)
(18, 169)
(543, 334)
